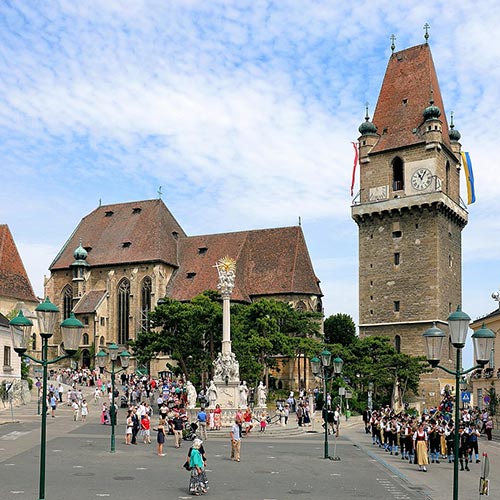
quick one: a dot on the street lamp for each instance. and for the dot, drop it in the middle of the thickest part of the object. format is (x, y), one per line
(20, 330)
(483, 339)
(321, 369)
(101, 360)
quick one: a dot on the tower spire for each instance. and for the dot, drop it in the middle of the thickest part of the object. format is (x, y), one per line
(393, 45)
(426, 28)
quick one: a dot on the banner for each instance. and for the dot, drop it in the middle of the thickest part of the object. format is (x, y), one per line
(356, 156)
(469, 178)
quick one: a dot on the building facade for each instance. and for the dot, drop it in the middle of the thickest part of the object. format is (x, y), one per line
(122, 258)
(409, 213)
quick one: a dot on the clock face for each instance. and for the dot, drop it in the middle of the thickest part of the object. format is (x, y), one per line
(421, 179)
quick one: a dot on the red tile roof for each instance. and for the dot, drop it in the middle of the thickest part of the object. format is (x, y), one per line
(14, 281)
(405, 93)
(141, 231)
(268, 262)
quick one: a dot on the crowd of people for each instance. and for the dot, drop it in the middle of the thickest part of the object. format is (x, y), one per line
(430, 438)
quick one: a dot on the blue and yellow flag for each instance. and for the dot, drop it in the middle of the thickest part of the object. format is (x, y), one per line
(469, 178)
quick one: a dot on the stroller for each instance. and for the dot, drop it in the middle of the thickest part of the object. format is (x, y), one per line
(189, 432)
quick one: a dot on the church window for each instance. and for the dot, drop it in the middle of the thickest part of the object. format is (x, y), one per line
(397, 174)
(371, 283)
(123, 310)
(102, 341)
(397, 343)
(67, 301)
(371, 297)
(145, 303)
(300, 306)
(86, 320)
(397, 258)
(397, 305)
(447, 177)
(85, 339)
(371, 311)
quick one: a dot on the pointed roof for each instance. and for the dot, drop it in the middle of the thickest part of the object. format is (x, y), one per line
(89, 303)
(14, 281)
(268, 262)
(139, 231)
(406, 90)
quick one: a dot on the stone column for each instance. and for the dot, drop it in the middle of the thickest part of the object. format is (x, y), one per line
(226, 267)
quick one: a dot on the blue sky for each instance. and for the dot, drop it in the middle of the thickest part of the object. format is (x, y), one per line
(243, 111)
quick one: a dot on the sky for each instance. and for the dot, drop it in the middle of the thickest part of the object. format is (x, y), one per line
(242, 111)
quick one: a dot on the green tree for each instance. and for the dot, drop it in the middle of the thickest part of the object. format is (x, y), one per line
(339, 329)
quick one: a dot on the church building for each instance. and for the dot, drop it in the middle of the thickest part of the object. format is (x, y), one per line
(409, 212)
(123, 258)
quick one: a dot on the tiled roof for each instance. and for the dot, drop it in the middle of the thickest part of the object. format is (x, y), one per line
(405, 93)
(268, 262)
(493, 314)
(14, 281)
(140, 231)
(4, 321)
(89, 302)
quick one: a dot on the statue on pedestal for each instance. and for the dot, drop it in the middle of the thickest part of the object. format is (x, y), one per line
(261, 394)
(191, 394)
(243, 394)
(212, 394)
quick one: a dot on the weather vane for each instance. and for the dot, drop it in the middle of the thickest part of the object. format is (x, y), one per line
(426, 36)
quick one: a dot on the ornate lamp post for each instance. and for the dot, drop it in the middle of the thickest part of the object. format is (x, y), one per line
(20, 330)
(321, 369)
(483, 340)
(101, 360)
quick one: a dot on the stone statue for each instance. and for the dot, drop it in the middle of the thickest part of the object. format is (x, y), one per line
(243, 394)
(212, 394)
(261, 394)
(191, 394)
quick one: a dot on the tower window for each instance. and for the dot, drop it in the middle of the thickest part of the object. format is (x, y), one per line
(447, 178)
(371, 266)
(398, 183)
(396, 305)
(371, 297)
(371, 283)
(450, 261)
(397, 343)
(371, 311)
(416, 226)
(397, 234)
(397, 258)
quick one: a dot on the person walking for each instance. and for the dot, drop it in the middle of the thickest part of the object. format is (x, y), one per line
(177, 426)
(128, 428)
(421, 441)
(235, 434)
(84, 410)
(198, 481)
(488, 427)
(53, 404)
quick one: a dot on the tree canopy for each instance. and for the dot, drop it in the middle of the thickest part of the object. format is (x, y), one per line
(339, 329)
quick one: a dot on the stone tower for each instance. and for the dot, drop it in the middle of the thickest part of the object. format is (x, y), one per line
(409, 213)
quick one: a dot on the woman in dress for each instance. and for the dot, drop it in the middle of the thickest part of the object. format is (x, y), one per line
(217, 417)
(421, 447)
(198, 480)
(84, 410)
(104, 414)
(160, 437)
(128, 428)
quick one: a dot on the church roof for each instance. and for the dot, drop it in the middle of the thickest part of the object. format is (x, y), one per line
(140, 231)
(89, 302)
(268, 262)
(409, 79)
(14, 281)
(4, 321)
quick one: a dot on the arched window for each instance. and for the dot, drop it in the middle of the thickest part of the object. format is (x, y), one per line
(102, 342)
(145, 303)
(398, 182)
(67, 301)
(85, 339)
(397, 343)
(33, 341)
(301, 306)
(123, 310)
(447, 178)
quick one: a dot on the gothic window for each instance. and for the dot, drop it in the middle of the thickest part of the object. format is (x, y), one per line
(145, 302)
(447, 178)
(67, 301)
(301, 306)
(123, 310)
(398, 183)
(397, 343)
(85, 339)
(102, 341)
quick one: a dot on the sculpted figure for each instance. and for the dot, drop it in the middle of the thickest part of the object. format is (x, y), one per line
(243, 394)
(191, 394)
(261, 394)
(212, 394)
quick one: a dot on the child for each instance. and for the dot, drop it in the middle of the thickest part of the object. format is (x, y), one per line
(146, 429)
(263, 422)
